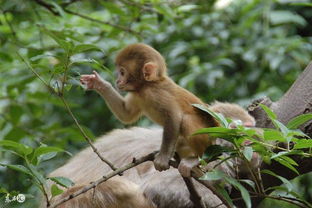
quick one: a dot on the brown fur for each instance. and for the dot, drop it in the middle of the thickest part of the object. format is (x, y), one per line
(142, 72)
(165, 189)
(114, 193)
(233, 111)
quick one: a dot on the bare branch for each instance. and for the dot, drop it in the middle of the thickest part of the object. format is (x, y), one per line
(119, 171)
(85, 135)
(61, 96)
(48, 6)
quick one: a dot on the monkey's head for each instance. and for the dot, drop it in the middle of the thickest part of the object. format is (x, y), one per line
(138, 64)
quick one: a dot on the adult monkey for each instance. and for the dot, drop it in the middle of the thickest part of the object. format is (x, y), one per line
(165, 189)
(142, 73)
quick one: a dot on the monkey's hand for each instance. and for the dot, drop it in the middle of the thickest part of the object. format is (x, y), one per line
(94, 82)
(186, 165)
(161, 162)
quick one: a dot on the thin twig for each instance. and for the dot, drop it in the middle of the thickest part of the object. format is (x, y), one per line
(41, 185)
(252, 172)
(48, 6)
(134, 163)
(51, 7)
(61, 96)
(51, 89)
(126, 29)
(301, 203)
(85, 135)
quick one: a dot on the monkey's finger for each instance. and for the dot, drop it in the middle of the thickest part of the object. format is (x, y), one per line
(96, 74)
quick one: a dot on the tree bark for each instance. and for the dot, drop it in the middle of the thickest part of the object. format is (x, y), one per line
(296, 101)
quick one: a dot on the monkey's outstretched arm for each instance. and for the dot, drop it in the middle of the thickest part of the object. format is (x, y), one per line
(170, 137)
(124, 108)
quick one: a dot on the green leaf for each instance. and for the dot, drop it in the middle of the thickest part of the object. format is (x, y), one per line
(279, 154)
(65, 182)
(286, 182)
(248, 152)
(59, 38)
(269, 112)
(303, 143)
(299, 120)
(16, 112)
(58, 8)
(19, 148)
(223, 121)
(293, 193)
(213, 151)
(187, 8)
(84, 47)
(225, 194)
(211, 176)
(44, 157)
(286, 17)
(217, 175)
(44, 153)
(19, 168)
(221, 132)
(286, 164)
(272, 134)
(296, 133)
(41, 56)
(44, 150)
(165, 10)
(249, 182)
(282, 127)
(290, 160)
(113, 8)
(38, 176)
(242, 189)
(56, 190)
(15, 134)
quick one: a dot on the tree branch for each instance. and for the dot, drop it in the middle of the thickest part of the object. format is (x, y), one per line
(48, 6)
(51, 7)
(296, 101)
(61, 96)
(126, 29)
(135, 162)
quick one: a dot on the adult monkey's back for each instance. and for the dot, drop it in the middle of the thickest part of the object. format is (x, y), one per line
(166, 189)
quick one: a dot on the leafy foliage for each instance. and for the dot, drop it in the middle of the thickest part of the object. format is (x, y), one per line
(262, 145)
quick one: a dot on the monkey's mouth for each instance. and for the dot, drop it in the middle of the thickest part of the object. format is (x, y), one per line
(121, 87)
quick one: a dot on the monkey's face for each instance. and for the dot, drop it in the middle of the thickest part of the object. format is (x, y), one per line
(125, 81)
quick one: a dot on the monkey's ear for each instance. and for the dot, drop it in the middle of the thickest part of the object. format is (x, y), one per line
(150, 71)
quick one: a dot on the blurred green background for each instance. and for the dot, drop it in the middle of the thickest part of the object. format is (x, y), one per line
(222, 50)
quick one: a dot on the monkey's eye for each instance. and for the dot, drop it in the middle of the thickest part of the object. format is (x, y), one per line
(122, 71)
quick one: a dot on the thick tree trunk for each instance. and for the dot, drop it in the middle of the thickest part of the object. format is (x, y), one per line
(296, 101)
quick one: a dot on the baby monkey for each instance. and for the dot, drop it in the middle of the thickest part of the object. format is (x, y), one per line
(142, 73)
